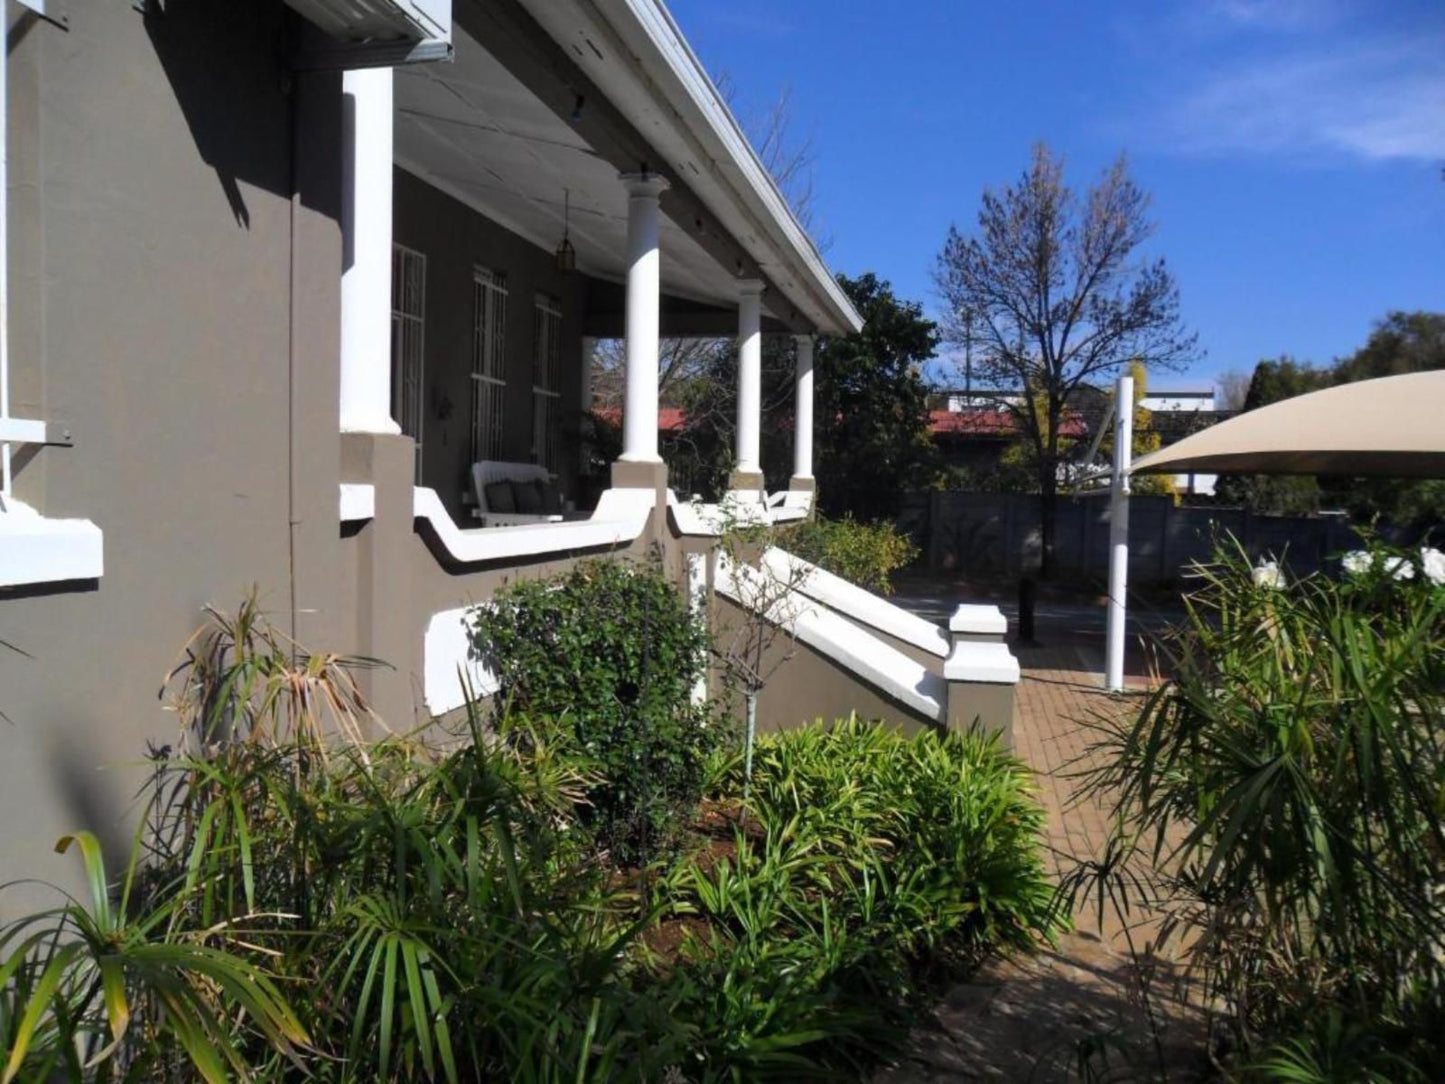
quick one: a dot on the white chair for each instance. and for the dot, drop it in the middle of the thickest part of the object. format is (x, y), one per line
(489, 471)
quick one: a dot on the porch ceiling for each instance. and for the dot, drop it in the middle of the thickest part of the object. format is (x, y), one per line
(476, 132)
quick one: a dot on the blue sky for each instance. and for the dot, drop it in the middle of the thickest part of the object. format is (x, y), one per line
(1293, 148)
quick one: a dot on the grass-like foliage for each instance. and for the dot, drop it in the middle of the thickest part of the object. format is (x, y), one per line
(867, 554)
(1281, 801)
(98, 990)
(863, 868)
(309, 905)
(611, 648)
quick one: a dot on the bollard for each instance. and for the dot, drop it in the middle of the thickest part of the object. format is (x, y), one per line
(1028, 592)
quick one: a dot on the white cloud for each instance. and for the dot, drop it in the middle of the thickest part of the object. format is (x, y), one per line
(1275, 15)
(1383, 100)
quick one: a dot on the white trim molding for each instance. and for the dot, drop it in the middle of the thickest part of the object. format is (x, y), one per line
(358, 502)
(448, 668)
(854, 602)
(620, 517)
(853, 648)
(34, 549)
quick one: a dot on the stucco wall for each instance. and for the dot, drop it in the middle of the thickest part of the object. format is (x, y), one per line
(158, 246)
(807, 685)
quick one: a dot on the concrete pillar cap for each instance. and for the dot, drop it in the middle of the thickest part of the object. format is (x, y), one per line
(981, 620)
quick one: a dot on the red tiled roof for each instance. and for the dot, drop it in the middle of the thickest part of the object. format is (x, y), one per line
(990, 423)
(669, 418)
(941, 423)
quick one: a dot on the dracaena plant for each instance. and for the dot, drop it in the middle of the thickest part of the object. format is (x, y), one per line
(92, 990)
(1279, 799)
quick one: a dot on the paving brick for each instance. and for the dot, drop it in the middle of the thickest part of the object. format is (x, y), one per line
(1022, 1019)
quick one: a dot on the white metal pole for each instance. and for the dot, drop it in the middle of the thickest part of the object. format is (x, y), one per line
(644, 300)
(1119, 533)
(750, 374)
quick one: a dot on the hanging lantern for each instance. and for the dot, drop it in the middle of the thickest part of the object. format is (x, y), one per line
(566, 255)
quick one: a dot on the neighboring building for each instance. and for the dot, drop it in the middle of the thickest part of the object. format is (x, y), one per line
(268, 316)
(1176, 413)
(973, 429)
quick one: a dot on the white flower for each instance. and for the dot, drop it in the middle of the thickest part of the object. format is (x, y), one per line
(1267, 574)
(1356, 562)
(1432, 561)
(1399, 568)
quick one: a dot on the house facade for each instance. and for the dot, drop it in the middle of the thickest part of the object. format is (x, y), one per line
(292, 286)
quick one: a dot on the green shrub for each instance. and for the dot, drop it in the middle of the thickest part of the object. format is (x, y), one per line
(866, 554)
(867, 864)
(612, 648)
(312, 906)
(1286, 788)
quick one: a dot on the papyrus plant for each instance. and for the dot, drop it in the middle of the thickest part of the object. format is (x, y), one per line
(1281, 801)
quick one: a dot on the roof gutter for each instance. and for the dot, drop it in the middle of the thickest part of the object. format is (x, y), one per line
(653, 77)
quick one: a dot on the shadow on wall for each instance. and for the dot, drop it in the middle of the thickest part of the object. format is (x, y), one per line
(90, 794)
(227, 64)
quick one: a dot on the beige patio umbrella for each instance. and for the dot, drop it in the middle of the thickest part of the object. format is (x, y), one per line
(1394, 425)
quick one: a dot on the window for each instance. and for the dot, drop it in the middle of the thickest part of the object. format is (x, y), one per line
(489, 362)
(408, 328)
(546, 381)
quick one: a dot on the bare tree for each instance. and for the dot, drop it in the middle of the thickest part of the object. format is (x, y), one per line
(761, 636)
(680, 362)
(1050, 295)
(1233, 385)
(789, 157)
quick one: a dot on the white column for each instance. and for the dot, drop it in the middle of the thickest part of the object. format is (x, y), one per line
(1119, 533)
(644, 296)
(366, 162)
(750, 374)
(803, 409)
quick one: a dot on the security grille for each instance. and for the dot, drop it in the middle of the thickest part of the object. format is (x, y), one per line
(489, 361)
(408, 338)
(546, 381)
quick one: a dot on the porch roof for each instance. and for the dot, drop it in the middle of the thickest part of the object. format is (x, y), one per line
(548, 100)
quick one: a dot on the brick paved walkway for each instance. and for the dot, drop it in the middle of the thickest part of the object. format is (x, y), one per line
(1025, 1019)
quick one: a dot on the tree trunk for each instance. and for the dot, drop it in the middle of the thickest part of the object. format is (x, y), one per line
(1048, 518)
(1048, 492)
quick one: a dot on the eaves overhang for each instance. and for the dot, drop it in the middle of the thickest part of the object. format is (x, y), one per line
(634, 53)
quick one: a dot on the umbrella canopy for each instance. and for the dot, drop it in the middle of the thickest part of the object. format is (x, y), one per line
(1392, 426)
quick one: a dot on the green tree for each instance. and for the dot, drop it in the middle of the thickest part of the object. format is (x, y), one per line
(1400, 343)
(1403, 342)
(871, 442)
(1275, 494)
(1050, 293)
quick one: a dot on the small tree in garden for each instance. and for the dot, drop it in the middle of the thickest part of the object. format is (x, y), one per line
(760, 638)
(611, 648)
